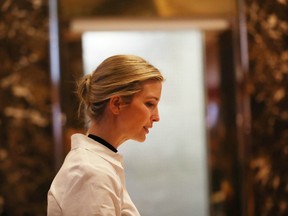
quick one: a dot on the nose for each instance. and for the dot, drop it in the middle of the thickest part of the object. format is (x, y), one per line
(155, 115)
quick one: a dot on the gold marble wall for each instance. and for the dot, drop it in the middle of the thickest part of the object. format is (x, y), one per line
(267, 25)
(26, 157)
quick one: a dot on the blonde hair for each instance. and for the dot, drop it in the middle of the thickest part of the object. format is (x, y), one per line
(120, 75)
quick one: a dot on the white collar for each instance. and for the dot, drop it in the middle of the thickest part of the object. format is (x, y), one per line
(82, 141)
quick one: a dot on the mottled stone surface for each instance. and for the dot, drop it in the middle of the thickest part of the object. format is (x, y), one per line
(26, 159)
(267, 24)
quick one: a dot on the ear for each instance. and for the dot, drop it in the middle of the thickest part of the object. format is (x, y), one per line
(115, 104)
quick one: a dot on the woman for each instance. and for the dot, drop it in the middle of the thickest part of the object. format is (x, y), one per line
(121, 100)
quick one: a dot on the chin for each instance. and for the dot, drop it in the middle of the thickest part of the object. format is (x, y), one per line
(140, 139)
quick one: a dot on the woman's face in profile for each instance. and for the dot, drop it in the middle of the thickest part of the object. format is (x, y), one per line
(139, 115)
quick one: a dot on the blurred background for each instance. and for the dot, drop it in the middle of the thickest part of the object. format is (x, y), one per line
(221, 147)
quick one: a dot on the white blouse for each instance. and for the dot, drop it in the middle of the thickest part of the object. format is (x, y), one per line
(91, 181)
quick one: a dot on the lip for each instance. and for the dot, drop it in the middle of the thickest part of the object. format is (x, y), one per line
(146, 129)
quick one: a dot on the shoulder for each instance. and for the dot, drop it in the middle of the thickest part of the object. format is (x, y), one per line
(82, 162)
(81, 175)
(85, 165)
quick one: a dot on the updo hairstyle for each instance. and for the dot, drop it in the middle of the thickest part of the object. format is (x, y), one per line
(120, 75)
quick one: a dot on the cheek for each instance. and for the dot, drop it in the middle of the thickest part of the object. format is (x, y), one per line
(138, 113)
(145, 113)
(141, 116)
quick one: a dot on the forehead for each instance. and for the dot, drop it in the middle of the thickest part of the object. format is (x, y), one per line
(151, 89)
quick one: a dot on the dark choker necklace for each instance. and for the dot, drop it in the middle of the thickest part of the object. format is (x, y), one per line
(103, 142)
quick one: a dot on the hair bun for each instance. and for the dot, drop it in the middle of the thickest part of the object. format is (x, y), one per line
(87, 80)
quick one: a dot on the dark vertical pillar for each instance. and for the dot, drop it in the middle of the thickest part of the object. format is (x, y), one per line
(230, 142)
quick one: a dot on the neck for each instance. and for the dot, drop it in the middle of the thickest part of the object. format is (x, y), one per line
(107, 131)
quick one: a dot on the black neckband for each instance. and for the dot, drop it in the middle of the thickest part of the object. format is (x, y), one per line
(103, 142)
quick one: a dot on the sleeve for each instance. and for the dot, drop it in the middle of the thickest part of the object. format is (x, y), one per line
(53, 208)
(95, 192)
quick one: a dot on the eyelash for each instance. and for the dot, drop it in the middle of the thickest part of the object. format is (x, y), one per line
(149, 104)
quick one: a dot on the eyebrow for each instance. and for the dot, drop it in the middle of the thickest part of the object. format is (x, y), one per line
(153, 97)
